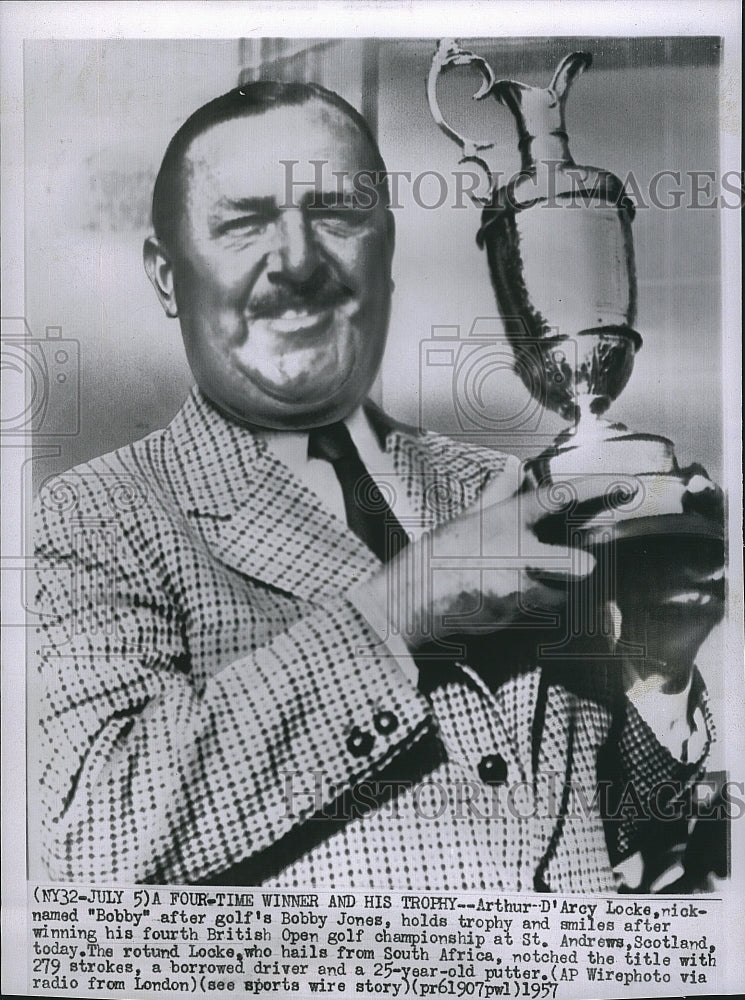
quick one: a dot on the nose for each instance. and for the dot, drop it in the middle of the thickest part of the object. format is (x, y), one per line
(296, 257)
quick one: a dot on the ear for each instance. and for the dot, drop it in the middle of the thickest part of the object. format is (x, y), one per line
(160, 272)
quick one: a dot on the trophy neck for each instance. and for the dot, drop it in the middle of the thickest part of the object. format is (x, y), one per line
(539, 115)
(545, 151)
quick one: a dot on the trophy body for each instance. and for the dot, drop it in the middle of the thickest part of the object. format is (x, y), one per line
(562, 268)
(559, 245)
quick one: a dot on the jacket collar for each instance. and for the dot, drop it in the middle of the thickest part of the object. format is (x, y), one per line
(256, 516)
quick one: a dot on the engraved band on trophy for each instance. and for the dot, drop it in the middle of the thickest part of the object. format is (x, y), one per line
(560, 275)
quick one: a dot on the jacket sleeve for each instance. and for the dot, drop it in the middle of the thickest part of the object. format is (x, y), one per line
(147, 774)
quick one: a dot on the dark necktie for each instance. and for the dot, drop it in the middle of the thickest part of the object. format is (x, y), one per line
(372, 520)
(368, 513)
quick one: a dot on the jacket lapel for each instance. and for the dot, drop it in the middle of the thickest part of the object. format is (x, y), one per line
(258, 518)
(254, 514)
(441, 477)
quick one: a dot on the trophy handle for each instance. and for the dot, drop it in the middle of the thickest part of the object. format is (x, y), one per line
(539, 111)
(449, 54)
(569, 67)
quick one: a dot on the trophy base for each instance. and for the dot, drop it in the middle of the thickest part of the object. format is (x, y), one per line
(597, 446)
(632, 487)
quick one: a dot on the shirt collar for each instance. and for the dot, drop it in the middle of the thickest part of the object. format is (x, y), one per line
(291, 447)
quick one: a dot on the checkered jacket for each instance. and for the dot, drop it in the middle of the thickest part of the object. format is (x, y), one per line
(211, 706)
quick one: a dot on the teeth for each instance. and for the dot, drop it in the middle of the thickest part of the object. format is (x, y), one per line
(691, 597)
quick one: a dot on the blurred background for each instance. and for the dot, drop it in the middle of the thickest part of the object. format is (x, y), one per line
(99, 115)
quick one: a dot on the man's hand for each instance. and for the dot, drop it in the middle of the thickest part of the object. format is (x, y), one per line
(481, 571)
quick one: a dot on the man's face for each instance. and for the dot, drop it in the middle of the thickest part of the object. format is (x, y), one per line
(671, 595)
(283, 304)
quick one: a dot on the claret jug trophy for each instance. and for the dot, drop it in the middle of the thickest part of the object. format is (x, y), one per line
(559, 246)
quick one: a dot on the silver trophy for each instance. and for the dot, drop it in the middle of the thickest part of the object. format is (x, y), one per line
(560, 250)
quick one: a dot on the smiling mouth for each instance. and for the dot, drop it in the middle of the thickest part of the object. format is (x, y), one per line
(306, 319)
(699, 598)
(698, 593)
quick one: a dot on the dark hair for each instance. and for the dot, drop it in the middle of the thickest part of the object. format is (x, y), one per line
(244, 101)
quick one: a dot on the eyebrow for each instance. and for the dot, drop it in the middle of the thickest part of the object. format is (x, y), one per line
(265, 204)
(268, 204)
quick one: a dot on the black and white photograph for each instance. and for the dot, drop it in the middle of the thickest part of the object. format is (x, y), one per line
(371, 445)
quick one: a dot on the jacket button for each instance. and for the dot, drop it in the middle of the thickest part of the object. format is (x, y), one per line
(359, 742)
(385, 722)
(493, 769)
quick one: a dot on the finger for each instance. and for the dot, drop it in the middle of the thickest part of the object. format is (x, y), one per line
(540, 595)
(557, 562)
(575, 503)
(552, 497)
(502, 489)
(583, 486)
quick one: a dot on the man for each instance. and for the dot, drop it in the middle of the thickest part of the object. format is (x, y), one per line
(270, 662)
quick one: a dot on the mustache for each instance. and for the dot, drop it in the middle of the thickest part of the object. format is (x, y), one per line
(319, 291)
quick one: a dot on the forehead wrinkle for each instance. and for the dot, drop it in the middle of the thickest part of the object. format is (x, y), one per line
(200, 161)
